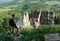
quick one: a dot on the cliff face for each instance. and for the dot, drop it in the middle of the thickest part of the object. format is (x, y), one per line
(26, 21)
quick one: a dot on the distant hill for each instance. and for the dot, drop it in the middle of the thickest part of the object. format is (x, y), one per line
(36, 0)
(7, 1)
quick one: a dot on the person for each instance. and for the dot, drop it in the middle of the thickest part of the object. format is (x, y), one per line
(12, 23)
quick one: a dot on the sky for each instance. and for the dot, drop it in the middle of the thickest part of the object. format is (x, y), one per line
(5, 1)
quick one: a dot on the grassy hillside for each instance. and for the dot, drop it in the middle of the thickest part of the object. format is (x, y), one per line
(6, 10)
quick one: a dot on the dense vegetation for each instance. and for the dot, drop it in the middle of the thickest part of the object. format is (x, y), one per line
(33, 33)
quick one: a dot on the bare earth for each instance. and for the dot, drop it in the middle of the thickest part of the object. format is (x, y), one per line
(7, 8)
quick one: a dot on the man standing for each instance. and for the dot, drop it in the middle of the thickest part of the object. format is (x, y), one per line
(12, 23)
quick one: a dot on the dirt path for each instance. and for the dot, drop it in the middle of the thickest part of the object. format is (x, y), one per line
(52, 2)
(7, 8)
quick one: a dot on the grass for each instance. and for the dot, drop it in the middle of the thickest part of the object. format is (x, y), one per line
(33, 33)
(29, 34)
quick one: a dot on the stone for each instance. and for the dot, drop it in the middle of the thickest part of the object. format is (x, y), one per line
(15, 36)
(52, 37)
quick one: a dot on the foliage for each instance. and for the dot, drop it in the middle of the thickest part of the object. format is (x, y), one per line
(33, 33)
